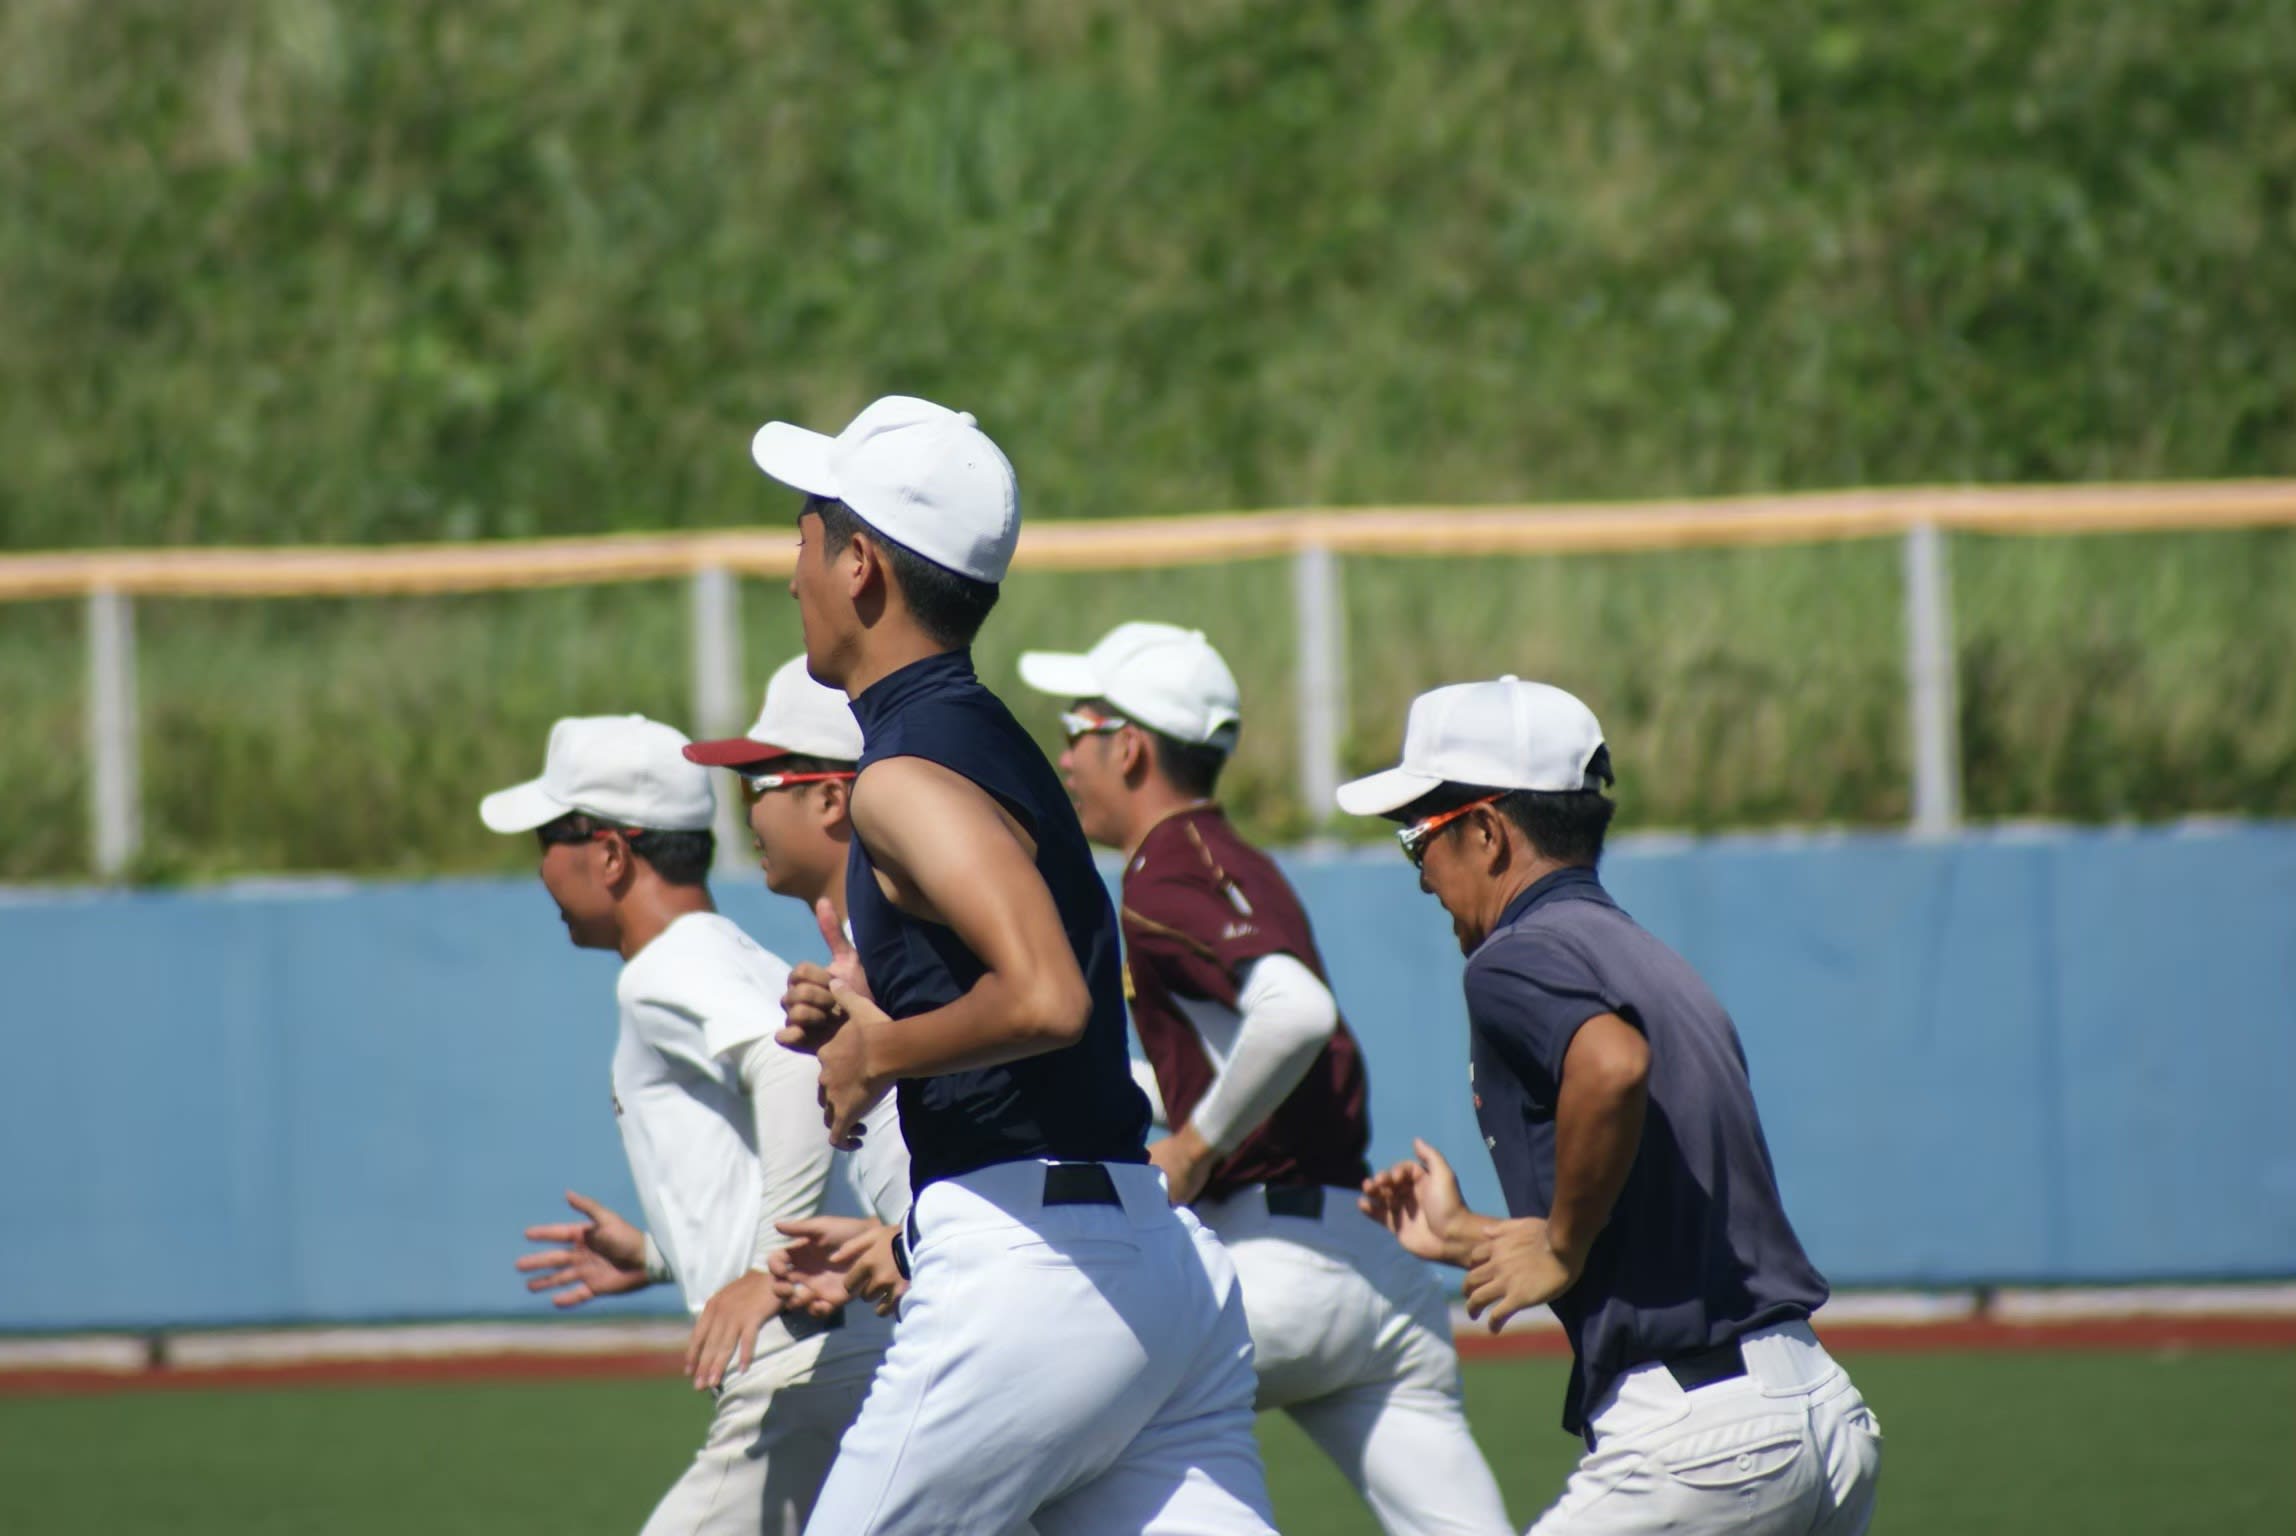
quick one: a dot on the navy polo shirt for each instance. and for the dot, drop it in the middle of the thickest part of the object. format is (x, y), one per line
(1078, 1103)
(1698, 1249)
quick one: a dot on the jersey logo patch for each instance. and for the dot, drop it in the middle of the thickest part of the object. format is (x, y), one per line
(1237, 930)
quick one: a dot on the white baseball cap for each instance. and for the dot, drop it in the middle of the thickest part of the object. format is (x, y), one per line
(623, 769)
(800, 717)
(921, 474)
(1507, 734)
(1160, 675)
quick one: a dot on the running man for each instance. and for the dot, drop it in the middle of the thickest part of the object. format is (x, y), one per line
(1612, 1091)
(718, 1120)
(796, 767)
(1071, 1350)
(1263, 1084)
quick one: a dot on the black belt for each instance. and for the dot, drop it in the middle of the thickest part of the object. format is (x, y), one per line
(1705, 1367)
(1301, 1200)
(1064, 1184)
(1079, 1184)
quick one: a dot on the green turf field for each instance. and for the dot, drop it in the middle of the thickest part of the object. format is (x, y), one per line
(2091, 1443)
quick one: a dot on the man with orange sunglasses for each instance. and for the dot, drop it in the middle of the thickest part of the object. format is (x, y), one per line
(1262, 1083)
(1612, 1092)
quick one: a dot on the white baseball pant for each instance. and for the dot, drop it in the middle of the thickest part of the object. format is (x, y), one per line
(774, 1434)
(1352, 1338)
(1788, 1449)
(1084, 1367)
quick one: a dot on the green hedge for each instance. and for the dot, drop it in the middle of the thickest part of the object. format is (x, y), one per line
(315, 270)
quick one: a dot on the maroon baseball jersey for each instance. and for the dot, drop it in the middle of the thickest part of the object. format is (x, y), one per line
(1200, 904)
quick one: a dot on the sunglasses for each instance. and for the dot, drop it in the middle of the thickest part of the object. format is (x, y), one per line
(1419, 834)
(1074, 726)
(762, 783)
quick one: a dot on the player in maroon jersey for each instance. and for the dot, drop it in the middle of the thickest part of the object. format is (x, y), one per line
(1261, 1083)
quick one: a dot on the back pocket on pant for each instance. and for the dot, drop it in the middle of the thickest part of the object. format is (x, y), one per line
(1757, 1457)
(1074, 1253)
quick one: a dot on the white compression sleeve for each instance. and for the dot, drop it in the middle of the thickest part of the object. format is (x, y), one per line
(1287, 1016)
(881, 1167)
(793, 1150)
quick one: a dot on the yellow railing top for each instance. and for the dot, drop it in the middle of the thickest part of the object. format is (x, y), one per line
(1135, 543)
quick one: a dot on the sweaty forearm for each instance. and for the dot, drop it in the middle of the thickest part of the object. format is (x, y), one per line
(1598, 1126)
(994, 1023)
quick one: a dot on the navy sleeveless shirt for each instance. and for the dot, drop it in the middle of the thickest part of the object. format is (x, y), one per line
(1078, 1103)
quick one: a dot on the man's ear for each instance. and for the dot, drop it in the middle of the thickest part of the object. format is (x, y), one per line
(836, 806)
(861, 563)
(869, 583)
(615, 860)
(1138, 756)
(1494, 847)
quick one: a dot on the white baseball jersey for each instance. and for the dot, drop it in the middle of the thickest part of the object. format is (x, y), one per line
(724, 1137)
(721, 1125)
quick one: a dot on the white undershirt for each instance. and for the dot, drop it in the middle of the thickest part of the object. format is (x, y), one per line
(721, 1125)
(1260, 1049)
(806, 1175)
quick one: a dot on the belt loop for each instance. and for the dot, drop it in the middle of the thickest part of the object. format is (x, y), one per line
(905, 1243)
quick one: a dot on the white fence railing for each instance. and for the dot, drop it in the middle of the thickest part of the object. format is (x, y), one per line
(1314, 541)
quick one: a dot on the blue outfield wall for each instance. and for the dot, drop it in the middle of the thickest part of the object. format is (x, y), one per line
(2049, 1056)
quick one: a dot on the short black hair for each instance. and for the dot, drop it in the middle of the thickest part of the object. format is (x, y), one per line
(680, 858)
(1566, 825)
(1191, 767)
(949, 607)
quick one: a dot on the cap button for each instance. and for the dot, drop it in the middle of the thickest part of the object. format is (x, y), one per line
(1509, 677)
(967, 419)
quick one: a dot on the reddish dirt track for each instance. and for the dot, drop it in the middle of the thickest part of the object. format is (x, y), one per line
(2123, 1333)
(1976, 1334)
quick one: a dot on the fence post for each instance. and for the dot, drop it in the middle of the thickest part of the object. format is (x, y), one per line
(715, 615)
(1321, 646)
(115, 811)
(1930, 675)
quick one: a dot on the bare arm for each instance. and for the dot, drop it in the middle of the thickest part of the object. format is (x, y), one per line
(953, 856)
(1419, 1202)
(1598, 1126)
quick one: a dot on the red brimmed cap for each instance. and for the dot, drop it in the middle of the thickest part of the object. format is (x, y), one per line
(800, 717)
